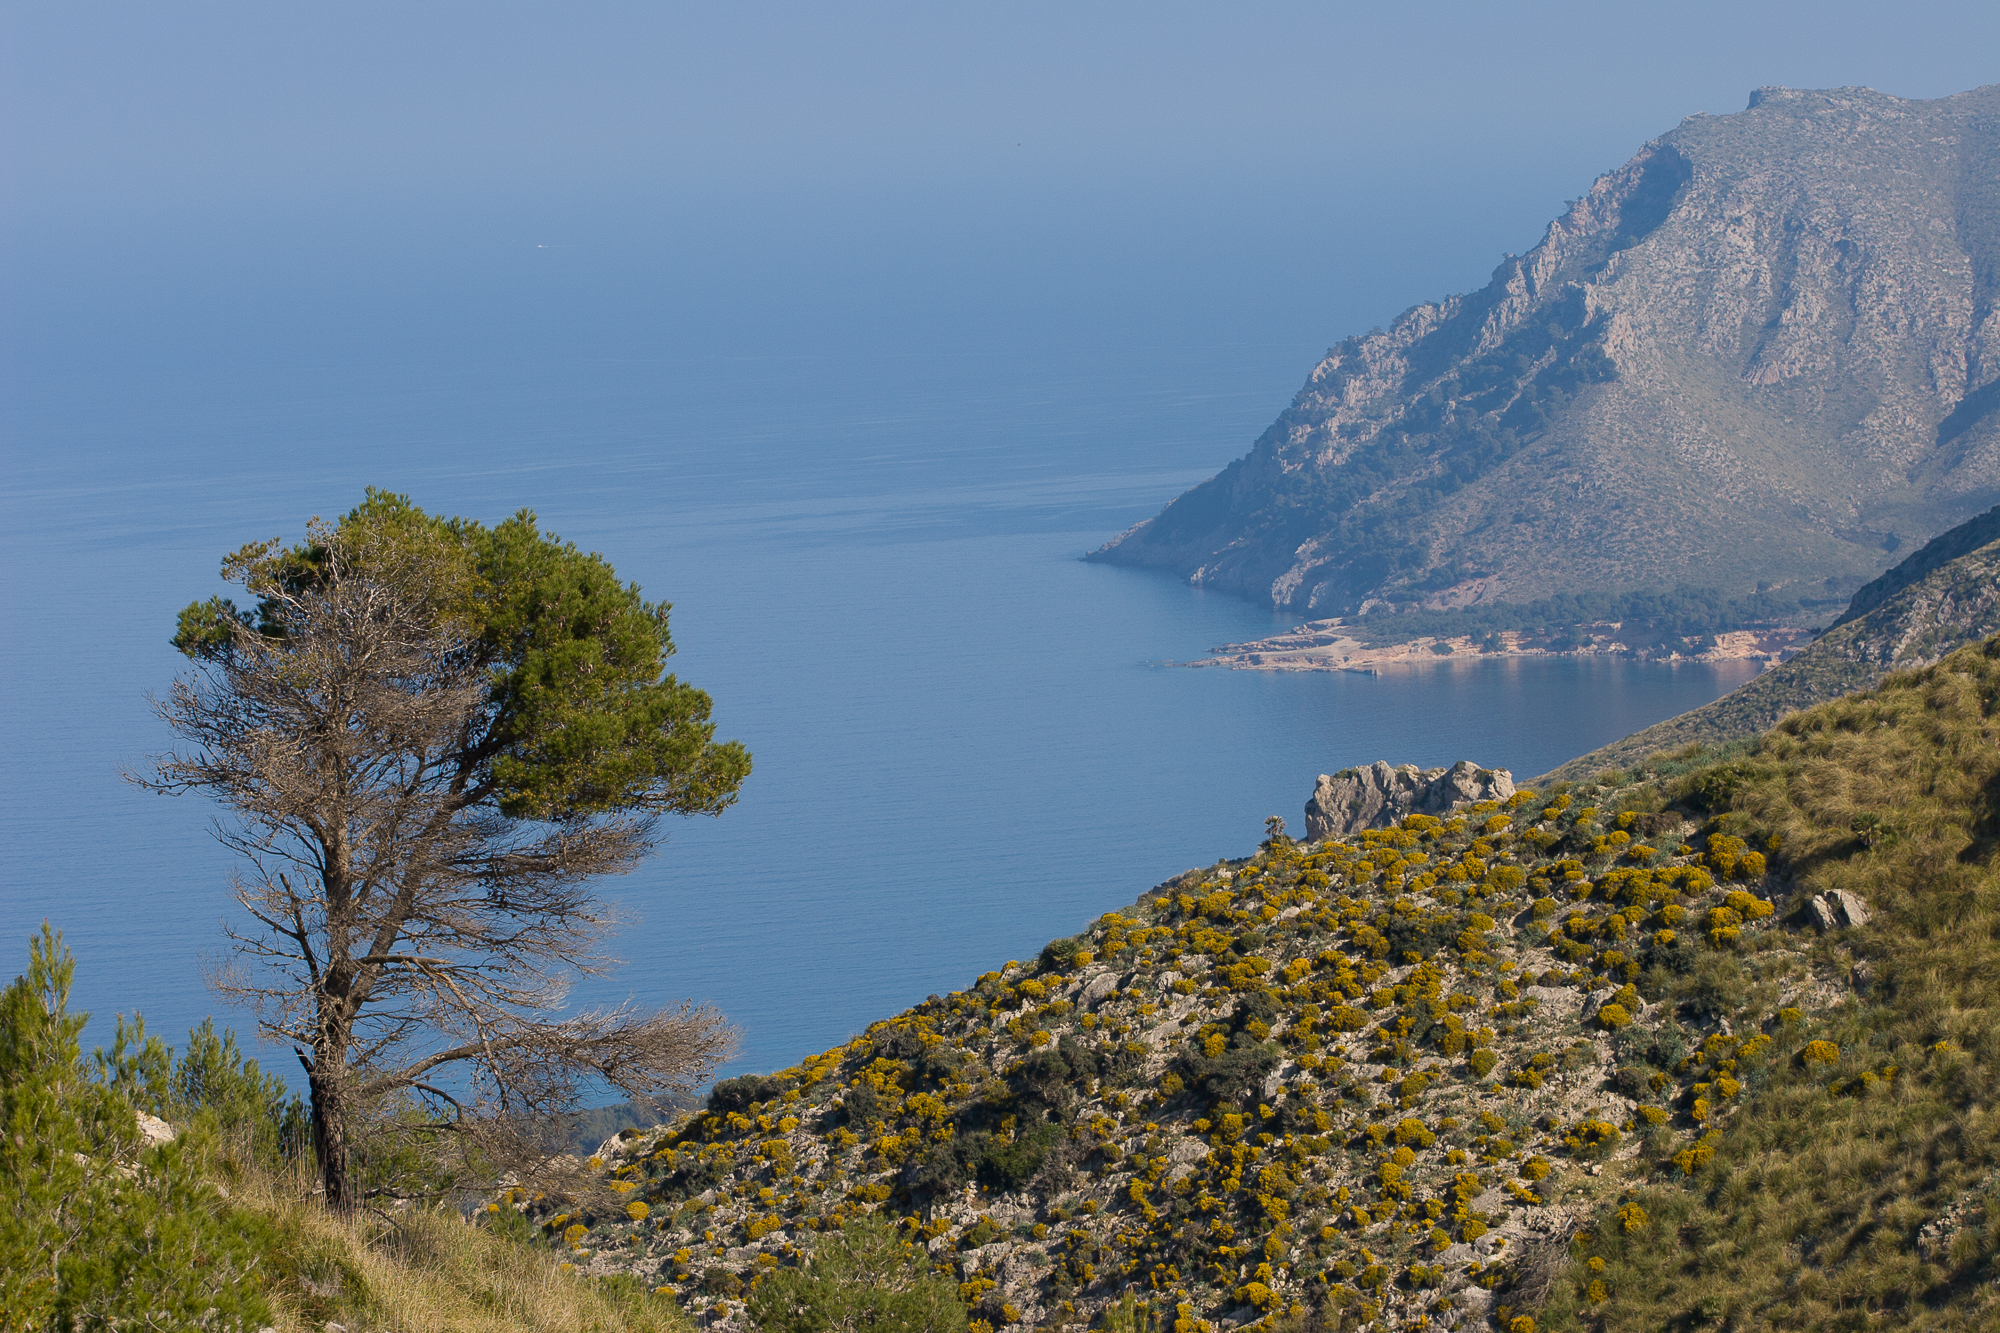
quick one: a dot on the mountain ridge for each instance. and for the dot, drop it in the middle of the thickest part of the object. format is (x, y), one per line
(1763, 351)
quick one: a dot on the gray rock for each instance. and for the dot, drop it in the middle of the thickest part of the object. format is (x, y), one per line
(1378, 796)
(1831, 911)
(1099, 987)
(154, 1130)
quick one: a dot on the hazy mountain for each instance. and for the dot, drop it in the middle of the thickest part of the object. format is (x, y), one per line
(1764, 351)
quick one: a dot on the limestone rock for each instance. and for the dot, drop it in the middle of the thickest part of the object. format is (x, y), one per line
(1378, 796)
(1831, 911)
(154, 1130)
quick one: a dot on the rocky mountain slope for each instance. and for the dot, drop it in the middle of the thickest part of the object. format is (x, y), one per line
(1766, 351)
(1508, 1063)
(1942, 597)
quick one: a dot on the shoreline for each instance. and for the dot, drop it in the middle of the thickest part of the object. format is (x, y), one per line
(1323, 645)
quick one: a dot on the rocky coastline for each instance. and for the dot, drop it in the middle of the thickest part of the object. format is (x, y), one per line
(1331, 645)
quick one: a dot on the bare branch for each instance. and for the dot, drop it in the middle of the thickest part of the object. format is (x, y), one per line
(403, 928)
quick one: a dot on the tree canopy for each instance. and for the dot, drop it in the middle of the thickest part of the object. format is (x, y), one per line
(434, 736)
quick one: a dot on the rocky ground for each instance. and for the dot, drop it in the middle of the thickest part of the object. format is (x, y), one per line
(1389, 1074)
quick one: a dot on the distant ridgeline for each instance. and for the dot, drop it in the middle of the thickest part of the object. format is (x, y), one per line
(1944, 596)
(1764, 354)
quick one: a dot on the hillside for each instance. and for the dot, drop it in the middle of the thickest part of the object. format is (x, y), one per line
(1578, 1059)
(1942, 597)
(1763, 354)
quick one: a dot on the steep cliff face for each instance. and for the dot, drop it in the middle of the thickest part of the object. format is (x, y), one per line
(1765, 349)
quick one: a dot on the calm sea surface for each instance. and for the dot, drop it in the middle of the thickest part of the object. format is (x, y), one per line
(964, 744)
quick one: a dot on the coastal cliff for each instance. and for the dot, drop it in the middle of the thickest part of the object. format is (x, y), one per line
(1763, 354)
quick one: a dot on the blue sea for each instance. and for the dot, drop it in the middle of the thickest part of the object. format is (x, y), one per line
(868, 512)
(966, 741)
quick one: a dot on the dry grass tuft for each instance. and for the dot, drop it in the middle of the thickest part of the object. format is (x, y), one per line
(432, 1272)
(1867, 1195)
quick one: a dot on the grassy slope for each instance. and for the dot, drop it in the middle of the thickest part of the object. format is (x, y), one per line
(429, 1273)
(1866, 1193)
(1206, 1103)
(1911, 621)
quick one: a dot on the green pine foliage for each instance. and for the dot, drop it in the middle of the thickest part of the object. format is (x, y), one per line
(98, 1229)
(583, 718)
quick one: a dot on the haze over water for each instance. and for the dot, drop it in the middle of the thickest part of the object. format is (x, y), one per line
(963, 743)
(846, 337)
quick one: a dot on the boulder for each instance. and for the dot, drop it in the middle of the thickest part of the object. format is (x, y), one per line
(1100, 987)
(1379, 796)
(1831, 911)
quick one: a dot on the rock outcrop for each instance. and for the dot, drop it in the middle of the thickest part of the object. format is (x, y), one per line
(1378, 796)
(1764, 351)
(1838, 909)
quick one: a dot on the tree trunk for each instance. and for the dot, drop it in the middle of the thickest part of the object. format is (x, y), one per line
(329, 1129)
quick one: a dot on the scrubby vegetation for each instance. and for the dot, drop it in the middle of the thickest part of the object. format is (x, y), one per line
(1581, 1061)
(111, 1221)
(1604, 1057)
(1860, 1188)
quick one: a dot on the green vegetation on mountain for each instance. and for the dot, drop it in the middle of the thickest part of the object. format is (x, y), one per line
(1945, 595)
(1759, 355)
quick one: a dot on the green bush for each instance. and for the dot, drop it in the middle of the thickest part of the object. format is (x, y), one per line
(866, 1276)
(99, 1230)
(250, 1110)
